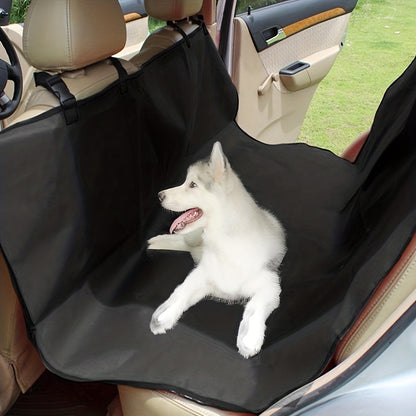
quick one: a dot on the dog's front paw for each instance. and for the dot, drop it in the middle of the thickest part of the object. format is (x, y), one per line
(156, 243)
(163, 319)
(250, 339)
(248, 348)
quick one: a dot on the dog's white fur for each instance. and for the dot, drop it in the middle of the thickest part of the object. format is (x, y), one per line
(236, 245)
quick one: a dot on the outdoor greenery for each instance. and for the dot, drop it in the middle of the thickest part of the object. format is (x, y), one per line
(18, 11)
(380, 44)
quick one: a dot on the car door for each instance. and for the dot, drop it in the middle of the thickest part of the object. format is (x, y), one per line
(277, 52)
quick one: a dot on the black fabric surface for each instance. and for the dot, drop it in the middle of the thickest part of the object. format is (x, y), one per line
(78, 203)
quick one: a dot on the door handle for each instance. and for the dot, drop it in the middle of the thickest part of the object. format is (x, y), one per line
(273, 35)
(294, 68)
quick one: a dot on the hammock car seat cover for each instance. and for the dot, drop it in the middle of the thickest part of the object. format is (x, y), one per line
(79, 202)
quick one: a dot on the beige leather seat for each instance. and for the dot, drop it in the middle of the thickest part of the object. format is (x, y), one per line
(167, 10)
(75, 42)
(136, 33)
(80, 55)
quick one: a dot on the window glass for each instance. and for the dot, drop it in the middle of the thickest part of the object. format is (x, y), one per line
(242, 5)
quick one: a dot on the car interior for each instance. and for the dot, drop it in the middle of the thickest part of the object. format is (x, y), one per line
(30, 302)
(316, 44)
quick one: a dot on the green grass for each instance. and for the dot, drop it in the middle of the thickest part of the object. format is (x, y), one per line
(18, 11)
(380, 44)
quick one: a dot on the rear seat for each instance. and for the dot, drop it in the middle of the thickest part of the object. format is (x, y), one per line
(398, 287)
(395, 294)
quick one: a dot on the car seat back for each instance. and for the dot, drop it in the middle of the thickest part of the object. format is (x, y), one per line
(178, 11)
(73, 38)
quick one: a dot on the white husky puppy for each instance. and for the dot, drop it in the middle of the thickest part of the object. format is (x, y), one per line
(236, 245)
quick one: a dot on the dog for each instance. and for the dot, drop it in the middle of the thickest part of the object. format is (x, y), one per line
(237, 247)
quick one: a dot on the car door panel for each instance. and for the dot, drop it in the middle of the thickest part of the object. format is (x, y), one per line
(280, 54)
(291, 17)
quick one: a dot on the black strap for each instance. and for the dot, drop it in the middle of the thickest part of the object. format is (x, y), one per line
(122, 74)
(54, 84)
(199, 20)
(180, 30)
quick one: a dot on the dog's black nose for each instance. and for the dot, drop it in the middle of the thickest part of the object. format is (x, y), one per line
(161, 196)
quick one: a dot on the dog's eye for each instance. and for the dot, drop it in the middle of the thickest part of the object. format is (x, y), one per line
(193, 185)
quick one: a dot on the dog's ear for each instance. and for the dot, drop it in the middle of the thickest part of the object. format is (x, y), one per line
(218, 162)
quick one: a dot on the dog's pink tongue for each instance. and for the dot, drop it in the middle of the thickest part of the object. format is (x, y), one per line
(186, 218)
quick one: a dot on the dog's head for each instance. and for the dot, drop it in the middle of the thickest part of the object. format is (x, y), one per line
(206, 184)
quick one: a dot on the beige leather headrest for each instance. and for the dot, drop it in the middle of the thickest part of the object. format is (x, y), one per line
(72, 34)
(172, 9)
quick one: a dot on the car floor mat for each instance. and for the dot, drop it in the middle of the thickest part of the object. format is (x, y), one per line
(51, 395)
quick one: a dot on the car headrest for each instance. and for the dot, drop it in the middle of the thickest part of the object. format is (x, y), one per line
(64, 35)
(170, 10)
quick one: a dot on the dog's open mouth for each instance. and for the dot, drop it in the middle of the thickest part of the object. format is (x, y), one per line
(186, 218)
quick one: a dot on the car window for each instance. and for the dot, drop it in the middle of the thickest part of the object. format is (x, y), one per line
(243, 5)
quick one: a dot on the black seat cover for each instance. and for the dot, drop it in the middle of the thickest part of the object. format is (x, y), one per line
(78, 203)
